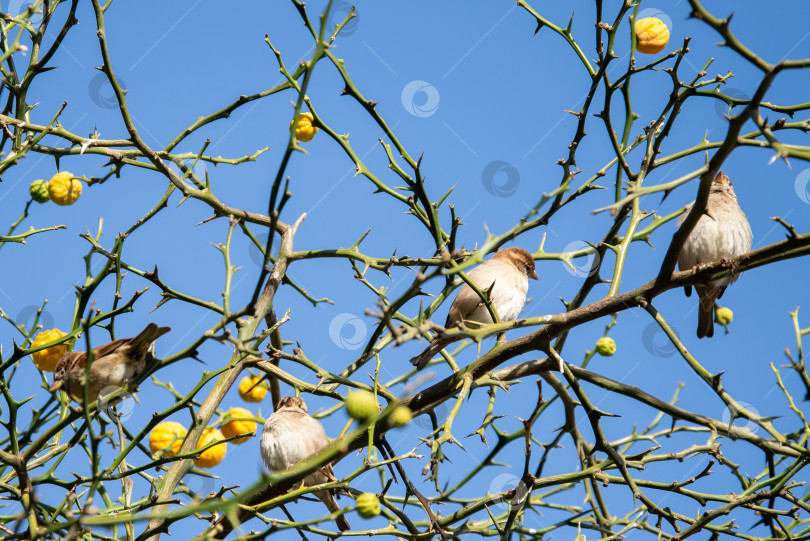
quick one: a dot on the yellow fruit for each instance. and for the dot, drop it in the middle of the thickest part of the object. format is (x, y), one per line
(361, 405)
(213, 455)
(238, 421)
(248, 392)
(401, 416)
(64, 189)
(652, 35)
(166, 438)
(368, 505)
(723, 315)
(304, 130)
(46, 359)
(606, 346)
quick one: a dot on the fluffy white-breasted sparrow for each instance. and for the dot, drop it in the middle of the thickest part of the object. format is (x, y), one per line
(290, 435)
(114, 364)
(720, 233)
(509, 269)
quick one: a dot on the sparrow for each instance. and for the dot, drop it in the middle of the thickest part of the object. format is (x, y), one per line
(289, 436)
(114, 364)
(509, 270)
(722, 232)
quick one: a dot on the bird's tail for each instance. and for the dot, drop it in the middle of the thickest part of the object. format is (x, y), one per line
(705, 326)
(144, 340)
(421, 360)
(326, 497)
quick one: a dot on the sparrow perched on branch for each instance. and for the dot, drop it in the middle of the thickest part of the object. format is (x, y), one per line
(722, 232)
(114, 364)
(290, 435)
(507, 273)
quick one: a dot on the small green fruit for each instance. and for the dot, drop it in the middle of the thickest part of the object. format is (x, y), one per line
(401, 416)
(368, 505)
(723, 315)
(39, 191)
(606, 346)
(361, 405)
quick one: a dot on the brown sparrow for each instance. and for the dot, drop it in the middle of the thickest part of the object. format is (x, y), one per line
(510, 270)
(114, 364)
(720, 233)
(290, 435)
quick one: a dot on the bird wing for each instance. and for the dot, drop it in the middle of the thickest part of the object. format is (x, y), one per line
(106, 349)
(141, 343)
(467, 301)
(138, 345)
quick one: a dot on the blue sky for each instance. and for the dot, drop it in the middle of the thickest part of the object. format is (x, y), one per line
(472, 89)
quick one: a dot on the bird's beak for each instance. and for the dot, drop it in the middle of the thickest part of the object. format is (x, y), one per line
(533, 275)
(720, 178)
(56, 385)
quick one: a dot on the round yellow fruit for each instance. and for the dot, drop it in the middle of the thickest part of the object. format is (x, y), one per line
(64, 189)
(166, 438)
(361, 405)
(723, 315)
(46, 359)
(249, 391)
(304, 130)
(652, 35)
(606, 346)
(401, 416)
(368, 505)
(238, 421)
(213, 455)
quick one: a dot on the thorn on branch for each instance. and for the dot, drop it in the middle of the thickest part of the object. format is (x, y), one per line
(791, 234)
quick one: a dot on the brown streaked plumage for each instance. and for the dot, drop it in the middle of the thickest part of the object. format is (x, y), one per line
(722, 232)
(114, 364)
(509, 269)
(289, 436)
